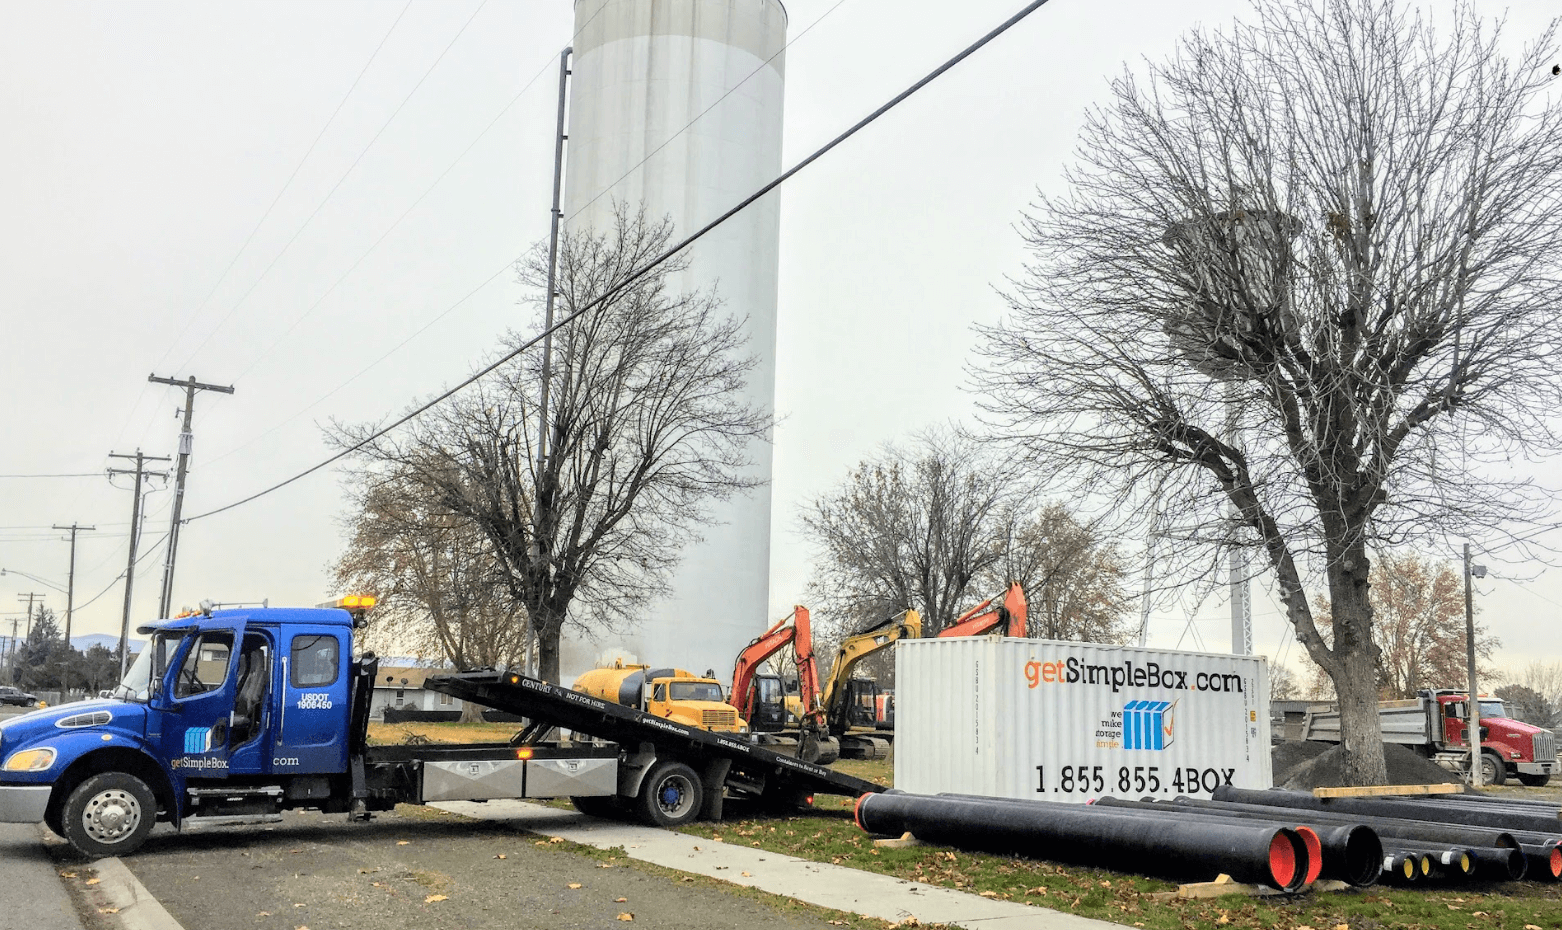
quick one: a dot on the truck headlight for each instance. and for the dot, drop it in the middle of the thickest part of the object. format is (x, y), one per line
(30, 760)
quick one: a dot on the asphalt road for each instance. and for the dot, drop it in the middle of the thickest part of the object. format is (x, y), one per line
(428, 870)
(31, 895)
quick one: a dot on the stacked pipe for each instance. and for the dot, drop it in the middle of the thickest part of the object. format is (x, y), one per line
(1186, 848)
(1493, 831)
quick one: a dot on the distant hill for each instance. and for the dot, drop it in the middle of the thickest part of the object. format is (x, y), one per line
(106, 640)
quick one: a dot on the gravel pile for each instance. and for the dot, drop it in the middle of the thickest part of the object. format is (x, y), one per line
(1310, 768)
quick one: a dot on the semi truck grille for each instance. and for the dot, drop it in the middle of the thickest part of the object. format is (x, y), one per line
(1545, 747)
(719, 718)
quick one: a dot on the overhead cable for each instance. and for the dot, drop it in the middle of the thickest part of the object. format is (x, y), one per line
(648, 267)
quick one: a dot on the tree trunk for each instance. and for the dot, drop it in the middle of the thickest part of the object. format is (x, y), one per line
(1355, 671)
(471, 713)
(549, 632)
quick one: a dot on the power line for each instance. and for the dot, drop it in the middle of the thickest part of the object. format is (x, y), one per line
(74, 474)
(652, 264)
(337, 186)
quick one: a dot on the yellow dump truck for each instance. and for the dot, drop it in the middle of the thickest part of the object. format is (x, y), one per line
(673, 693)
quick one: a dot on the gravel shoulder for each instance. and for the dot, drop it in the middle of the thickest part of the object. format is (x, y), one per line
(428, 869)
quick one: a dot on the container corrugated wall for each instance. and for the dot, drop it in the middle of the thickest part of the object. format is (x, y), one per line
(1056, 721)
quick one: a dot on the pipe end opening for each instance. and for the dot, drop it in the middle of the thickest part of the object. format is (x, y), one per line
(1282, 860)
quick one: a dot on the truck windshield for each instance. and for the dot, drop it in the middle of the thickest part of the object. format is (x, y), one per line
(1493, 709)
(696, 691)
(149, 666)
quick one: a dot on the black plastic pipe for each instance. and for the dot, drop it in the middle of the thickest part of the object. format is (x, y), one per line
(1386, 827)
(1452, 861)
(1545, 861)
(1404, 868)
(1396, 807)
(1186, 849)
(1351, 853)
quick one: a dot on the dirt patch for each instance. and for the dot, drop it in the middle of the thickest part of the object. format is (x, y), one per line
(421, 871)
(1327, 770)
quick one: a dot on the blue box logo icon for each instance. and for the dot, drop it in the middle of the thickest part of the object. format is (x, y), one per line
(1149, 724)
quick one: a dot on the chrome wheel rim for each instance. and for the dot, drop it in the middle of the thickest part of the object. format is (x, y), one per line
(111, 816)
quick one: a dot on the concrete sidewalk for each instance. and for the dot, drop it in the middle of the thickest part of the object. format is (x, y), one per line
(844, 889)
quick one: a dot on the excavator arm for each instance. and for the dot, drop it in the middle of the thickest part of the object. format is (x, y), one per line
(853, 650)
(1008, 616)
(793, 630)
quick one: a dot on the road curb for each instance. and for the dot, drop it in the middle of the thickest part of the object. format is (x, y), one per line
(118, 894)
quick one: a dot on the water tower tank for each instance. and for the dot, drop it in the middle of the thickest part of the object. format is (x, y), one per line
(645, 72)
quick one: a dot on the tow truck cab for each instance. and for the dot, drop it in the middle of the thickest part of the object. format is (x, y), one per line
(235, 712)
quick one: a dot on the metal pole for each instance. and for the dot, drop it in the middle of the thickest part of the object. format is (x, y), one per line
(1474, 716)
(1241, 599)
(185, 441)
(135, 539)
(553, 256)
(70, 599)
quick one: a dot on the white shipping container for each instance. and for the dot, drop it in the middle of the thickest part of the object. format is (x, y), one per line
(1057, 721)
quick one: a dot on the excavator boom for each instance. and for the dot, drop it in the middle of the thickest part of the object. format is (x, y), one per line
(793, 630)
(856, 648)
(1009, 616)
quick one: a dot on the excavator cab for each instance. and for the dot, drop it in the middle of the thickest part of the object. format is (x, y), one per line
(768, 710)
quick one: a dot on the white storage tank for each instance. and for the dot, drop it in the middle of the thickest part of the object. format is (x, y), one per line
(1057, 721)
(645, 74)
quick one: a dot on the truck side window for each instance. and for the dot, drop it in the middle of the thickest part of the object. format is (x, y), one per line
(314, 661)
(659, 693)
(205, 665)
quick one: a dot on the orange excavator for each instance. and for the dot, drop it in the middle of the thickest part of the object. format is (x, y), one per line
(1007, 619)
(759, 698)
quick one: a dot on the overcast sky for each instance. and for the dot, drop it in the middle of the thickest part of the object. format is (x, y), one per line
(141, 230)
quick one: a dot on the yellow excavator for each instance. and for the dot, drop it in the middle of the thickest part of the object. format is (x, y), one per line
(851, 704)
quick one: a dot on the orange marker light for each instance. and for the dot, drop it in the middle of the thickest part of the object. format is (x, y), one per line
(523, 753)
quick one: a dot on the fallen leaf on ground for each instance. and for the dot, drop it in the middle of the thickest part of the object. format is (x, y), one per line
(573, 885)
(603, 865)
(295, 851)
(434, 897)
(264, 914)
(555, 839)
(989, 894)
(93, 881)
(1531, 927)
(300, 905)
(67, 874)
(108, 910)
(367, 871)
(626, 917)
(501, 856)
(620, 900)
(748, 874)
(403, 842)
(540, 843)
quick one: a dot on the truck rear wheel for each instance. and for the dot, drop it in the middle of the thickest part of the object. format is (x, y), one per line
(109, 815)
(1534, 781)
(1493, 772)
(671, 795)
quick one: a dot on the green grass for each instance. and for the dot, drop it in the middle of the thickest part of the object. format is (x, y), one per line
(830, 835)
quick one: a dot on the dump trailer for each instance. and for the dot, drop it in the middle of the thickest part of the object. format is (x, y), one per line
(248, 713)
(1435, 724)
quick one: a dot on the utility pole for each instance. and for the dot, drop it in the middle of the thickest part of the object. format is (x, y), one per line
(553, 255)
(70, 596)
(1473, 717)
(30, 596)
(190, 386)
(135, 539)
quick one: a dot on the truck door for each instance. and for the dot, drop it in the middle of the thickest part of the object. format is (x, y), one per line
(1454, 724)
(197, 697)
(311, 731)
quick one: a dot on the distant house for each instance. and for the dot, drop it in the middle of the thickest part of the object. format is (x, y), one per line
(401, 687)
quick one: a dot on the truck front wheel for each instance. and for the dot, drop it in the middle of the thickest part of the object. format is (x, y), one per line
(109, 815)
(671, 795)
(1534, 781)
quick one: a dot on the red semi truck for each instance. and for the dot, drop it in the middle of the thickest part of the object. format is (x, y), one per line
(1435, 724)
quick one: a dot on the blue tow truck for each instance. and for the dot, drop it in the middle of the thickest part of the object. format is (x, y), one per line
(242, 714)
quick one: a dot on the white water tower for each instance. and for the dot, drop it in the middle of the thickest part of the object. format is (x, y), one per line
(644, 74)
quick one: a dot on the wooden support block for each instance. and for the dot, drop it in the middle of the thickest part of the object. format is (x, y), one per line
(1380, 791)
(906, 839)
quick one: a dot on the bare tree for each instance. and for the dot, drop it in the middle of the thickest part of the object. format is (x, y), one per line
(1282, 683)
(441, 592)
(1307, 270)
(911, 528)
(1075, 582)
(1543, 679)
(645, 428)
(1528, 705)
(1418, 626)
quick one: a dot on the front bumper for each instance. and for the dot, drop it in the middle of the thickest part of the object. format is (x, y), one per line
(1538, 768)
(23, 803)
